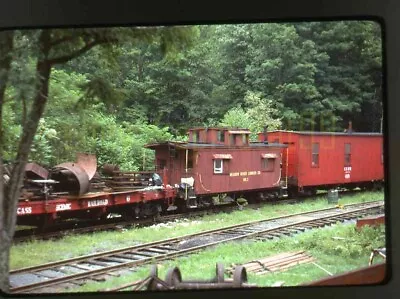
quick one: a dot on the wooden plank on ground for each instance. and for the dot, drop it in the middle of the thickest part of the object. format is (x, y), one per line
(279, 262)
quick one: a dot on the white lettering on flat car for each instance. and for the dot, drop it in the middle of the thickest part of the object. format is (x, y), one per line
(23, 211)
(63, 207)
(97, 203)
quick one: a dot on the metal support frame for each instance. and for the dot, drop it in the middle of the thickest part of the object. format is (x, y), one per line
(174, 281)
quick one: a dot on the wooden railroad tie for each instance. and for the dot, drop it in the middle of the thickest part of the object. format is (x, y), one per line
(280, 262)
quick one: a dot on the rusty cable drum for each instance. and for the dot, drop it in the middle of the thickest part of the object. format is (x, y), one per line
(88, 162)
(72, 177)
(35, 170)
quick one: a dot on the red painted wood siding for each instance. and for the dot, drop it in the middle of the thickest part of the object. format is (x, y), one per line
(366, 158)
(242, 172)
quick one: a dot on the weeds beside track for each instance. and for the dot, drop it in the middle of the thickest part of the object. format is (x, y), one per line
(105, 263)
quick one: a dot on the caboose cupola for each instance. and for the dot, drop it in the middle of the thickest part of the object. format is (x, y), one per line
(220, 136)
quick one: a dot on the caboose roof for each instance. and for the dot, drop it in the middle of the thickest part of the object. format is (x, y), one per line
(327, 133)
(190, 145)
(220, 128)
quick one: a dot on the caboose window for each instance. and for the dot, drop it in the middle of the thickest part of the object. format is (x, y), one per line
(315, 155)
(347, 154)
(218, 166)
(190, 163)
(268, 164)
(196, 136)
(161, 163)
(232, 139)
(221, 136)
(244, 138)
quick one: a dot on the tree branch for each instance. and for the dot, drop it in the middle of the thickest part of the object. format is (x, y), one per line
(24, 111)
(61, 40)
(87, 47)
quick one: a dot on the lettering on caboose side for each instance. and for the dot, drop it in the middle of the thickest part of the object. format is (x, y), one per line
(97, 203)
(347, 172)
(24, 211)
(245, 173)
(63, 207)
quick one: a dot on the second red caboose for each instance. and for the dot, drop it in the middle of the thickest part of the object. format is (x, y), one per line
(219, 161)
(325, 160)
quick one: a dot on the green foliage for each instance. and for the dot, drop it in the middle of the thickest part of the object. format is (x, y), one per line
(71, 124)
(283, 70)
(149, 85)
(112, 144)
(350, 81)
(67, 130)
(315, 75)
(99, 90)
(23, 77)
(351, 243)
(259, 113)
(11, 133)
(233, 55)
(236, 117)
(319, 75)
(41, 149)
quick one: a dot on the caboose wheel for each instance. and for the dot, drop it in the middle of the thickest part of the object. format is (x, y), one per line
(292, 193)
(182, 206)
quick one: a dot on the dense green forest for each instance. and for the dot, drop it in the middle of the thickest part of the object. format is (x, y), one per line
(112, 100)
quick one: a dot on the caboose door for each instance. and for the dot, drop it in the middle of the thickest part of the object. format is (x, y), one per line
(289, 159)
(180, 165)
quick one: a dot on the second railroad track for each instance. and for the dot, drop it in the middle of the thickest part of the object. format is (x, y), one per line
(90, 267)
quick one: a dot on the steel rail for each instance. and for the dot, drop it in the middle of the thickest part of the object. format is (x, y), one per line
(180, 238)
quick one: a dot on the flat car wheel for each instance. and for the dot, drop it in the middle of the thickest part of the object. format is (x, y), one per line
(220, 272)
(239, 276)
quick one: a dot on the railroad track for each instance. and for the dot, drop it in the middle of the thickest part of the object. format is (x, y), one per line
(100, 265)
(93, 226)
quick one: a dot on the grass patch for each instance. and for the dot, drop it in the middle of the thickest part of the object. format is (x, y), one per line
(336, 256)
(40, 252)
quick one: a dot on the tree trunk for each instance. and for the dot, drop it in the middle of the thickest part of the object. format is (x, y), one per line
(6, 46)
(29, 130)
(5, 246)
(12, 191)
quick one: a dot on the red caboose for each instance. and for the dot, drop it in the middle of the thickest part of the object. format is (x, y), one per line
(324, 160)
(220, 161)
